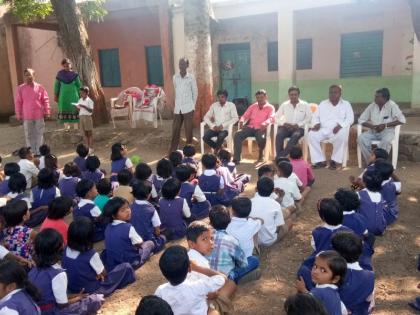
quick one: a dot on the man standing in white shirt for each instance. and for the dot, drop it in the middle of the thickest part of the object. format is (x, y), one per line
(186, 93)
(292, 116)
(219, 117)
(380, 117)
(331, 122)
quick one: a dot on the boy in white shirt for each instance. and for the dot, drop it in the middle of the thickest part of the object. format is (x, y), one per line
(27, 166)
(187, 296)
(291, 190)
(85, 107)
(268, 210)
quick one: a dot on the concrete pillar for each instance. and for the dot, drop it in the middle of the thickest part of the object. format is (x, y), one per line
(415, 97)
(286, 51)
(178, 36)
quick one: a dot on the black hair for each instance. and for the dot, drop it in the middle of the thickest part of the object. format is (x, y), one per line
(65, 60)
(104, 186)
(92, 163)
(372, 180)
(17, 183)
(80, 234)
(347, 198)
(143, 171)
(14, 212)
(124, 177)
(296, 152)
(261, 92)
(176, 158)
(153, 305)
(279, 159)
(224, 155)
(337, 264)
(293, 88)
(329, 211)
(222, 92)
(385, 93)
(142, 190)
(171, 188)
(12, 272)
(116, 151)
(71, 169)
(219, 217)
(380, 153)
(24, 152)
(48, 247)
(195, 229)
(11, 168)
(209, 161)
(348, 245)
(85, 89)
(304, 304)
(51, 161)
(265, 186)
(45, 178)
(83, 187)
(384, 168)
(82, 150)
(174, 264)
(44, 150)
(189, 150)
(164, 168)
(59, 208)
(286, 168)
(183, 172)
(113, 205)
(263, 170)
(241, 207)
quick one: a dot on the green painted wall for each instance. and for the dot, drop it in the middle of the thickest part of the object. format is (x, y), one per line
(416, 91)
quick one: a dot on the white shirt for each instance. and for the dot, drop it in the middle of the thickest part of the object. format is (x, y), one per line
(5, 310)
(59, 286)
(223, 115)
(29, 170)
(95, 262)
(201, 261)
(300, 114)
(186, 93)
(294, 178)
(41, 162)
(132, 234)
(213, 172)
(3, 252)
(270, 212)
(291, 191)
(190, 296)
(95, 211)
(329, 115)
(374, 196)
(390, 112)
(244, 229)
(88, 103)
(155, 218)
(26, 199)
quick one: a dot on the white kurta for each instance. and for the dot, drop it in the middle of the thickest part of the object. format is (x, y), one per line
(328, 116)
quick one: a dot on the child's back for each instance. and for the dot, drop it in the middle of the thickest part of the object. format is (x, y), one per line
(80, 162)
(67, 186)
(328, 295)
(94, 176)
(171, 214)
(88, 209)
(43, 196)
(303, 171)
(372, 208)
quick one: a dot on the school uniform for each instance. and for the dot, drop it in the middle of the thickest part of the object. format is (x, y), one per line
(20, 196)
(210, 183)
(4, 186)
(18, 302)
(87, 208)
(82, 269)
(389, 192)
(67, 186)
(42, 197)
(199, 209)
(244, 229)
(81, 163)
(144, 219)
(52, 283)
(158, 182)
(328, 295)
(190, 160)
(119, 165)
(356, 292)
(120, 246)
(372, 207)
(95, 176)
(172, 213)
(291, 191)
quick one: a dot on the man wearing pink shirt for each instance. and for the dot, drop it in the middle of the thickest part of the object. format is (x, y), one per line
(257, 118)
(32, 105)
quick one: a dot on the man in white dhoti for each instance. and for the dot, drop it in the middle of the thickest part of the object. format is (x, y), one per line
(331, 122)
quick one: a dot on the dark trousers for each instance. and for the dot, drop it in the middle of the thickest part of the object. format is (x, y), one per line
(244, 133)
(221, 135)
(187, 118)
(283, 133)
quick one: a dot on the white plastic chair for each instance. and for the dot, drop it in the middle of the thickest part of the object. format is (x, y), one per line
(149, 106)
(394, 143)
(121, 106)
(303, 140)
(267, 150)
(229, 138)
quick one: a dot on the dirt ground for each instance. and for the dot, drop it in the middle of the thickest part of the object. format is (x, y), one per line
(394, 260)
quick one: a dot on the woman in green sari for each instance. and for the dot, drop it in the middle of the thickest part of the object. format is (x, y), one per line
(66, 91)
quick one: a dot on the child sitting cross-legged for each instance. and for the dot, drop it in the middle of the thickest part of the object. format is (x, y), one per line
(9, 170)
(27, 165)
(301, 168)
(84, 267)
(122, 242)
(163, 173)
(17, 189)
(153, 305)
(82, 152)
(67, 184)
(185, 295)
(57, 210)
(189, 152)
(119, 162)
(104, 189)
(144, 217)
(143, 172)
(238, 180)
(93, 172)
(289, 187)
(124, 190)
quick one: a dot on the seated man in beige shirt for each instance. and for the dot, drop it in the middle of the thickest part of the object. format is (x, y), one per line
(124, 190)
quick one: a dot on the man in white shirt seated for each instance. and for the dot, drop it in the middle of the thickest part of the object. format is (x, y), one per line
(291, 117)
(380, 117)
(219, 117)
(331, 122)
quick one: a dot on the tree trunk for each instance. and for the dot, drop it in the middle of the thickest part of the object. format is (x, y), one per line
(198, 51)
(73, 38)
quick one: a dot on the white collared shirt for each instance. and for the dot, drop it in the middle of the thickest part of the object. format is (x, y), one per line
(213, 172)
(374, 196)
(155, 218)
(59, 286)
(222, 115)
(390, 112)
(329, 115)
(95, 211)
(327, 226)
(5, 310)
(201, 261)
(95, 261)
(186, 93)
(88, 103)
(29, 170)
(291, 191)
(300, 114)
(354, 266)
(244, 229)
(132, 234)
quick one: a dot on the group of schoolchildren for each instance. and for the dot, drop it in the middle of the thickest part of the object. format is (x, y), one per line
(136, 213)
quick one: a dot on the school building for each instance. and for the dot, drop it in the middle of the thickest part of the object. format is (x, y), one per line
(361, 44)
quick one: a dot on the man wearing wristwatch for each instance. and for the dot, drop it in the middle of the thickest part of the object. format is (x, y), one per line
(380, 117)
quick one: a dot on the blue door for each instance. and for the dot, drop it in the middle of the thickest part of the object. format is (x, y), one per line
(154, 65)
